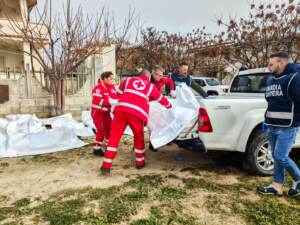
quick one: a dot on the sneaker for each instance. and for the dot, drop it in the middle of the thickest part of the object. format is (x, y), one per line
(139, 167)
(98, 152)
(295, 189)
(269, 190)
(105, 171)
(151, 148)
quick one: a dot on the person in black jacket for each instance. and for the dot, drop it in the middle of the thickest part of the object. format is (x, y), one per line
(182, 76)
(283, 119)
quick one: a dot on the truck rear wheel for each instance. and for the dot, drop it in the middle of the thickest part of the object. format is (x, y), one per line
(259, 158)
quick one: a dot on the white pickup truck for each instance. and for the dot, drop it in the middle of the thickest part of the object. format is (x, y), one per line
(234, 122)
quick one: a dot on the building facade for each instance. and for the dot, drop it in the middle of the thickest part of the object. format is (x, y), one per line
(24, 88)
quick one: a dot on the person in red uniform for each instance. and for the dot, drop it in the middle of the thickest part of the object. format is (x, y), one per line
(101, 109)
(132, 109)
(159, 81)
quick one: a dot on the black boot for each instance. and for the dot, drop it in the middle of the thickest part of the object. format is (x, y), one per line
(139, 167)
(151, 148)
(105, 171)
(98, 152)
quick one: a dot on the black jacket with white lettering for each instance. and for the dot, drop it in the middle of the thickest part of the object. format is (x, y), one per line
(283, 97)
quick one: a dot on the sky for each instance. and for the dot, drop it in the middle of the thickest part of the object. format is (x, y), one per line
(170, 15)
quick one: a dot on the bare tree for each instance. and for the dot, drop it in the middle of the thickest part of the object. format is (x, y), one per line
(269, 27)
(61, 42)
(124, 36)
(157, 47)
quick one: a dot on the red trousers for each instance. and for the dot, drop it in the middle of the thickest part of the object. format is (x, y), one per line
(118, 126)
(102, 121)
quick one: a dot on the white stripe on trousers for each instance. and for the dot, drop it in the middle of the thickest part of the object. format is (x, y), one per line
(107, 160)
(140, 159)
(139, 151)
(111, 149)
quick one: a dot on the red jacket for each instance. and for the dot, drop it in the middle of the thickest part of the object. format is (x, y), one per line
(112, 91)
(163, 81)
(101, 93)
(135, 94)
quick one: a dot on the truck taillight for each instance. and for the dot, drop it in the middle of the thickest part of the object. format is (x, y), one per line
(204, 121)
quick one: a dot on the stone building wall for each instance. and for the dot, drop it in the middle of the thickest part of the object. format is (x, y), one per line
(41, 101)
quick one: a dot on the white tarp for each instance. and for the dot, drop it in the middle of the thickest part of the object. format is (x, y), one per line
(87, 119)
(67, 120)
(165, 124)
(26, 135)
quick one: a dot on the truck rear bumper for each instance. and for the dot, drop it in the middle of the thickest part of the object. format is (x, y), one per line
(216, 142)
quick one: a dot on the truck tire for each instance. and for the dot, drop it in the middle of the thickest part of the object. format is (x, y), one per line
(259, 158)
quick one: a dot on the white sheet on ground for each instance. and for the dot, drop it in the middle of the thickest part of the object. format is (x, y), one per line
(22, 135)
(67, 120)
(165, 124)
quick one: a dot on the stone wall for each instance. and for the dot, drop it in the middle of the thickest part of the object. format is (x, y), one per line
(41, 101)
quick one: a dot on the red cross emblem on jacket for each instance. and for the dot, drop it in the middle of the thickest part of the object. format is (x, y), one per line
(135, 94)
(139, 85)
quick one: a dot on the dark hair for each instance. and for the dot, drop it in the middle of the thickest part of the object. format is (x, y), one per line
(106, 74)
(183, 64)
(282, 55)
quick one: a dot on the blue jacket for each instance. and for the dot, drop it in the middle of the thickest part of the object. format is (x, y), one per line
(189, 82)
(283, 97)
(181, 79)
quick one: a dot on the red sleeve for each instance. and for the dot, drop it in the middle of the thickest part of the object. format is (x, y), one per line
(121, 88)
(170, 82)
(96, 93)
(156, 95)
(113, 92)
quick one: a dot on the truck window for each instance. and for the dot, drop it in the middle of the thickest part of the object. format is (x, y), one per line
(212, 82)
(200, 82)
(252, 83)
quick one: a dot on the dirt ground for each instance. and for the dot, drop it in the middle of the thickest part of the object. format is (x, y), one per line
(189, 188)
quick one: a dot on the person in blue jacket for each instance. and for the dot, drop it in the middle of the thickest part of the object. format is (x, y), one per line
(182, 76)
(283, 119)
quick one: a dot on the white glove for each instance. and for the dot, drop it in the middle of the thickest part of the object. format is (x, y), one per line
(173, 94)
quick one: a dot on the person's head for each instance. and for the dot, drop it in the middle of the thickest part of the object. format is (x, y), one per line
(278, 62)
(107, 77)
(183, 69)
(157, 73)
